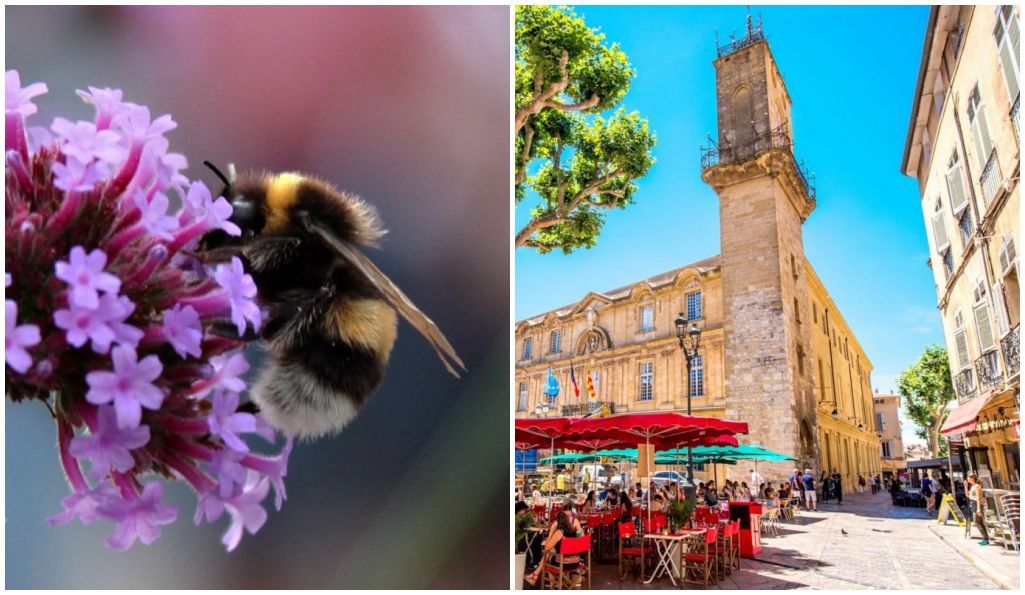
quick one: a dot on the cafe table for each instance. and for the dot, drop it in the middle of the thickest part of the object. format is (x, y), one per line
(667, 546)
(533, 534)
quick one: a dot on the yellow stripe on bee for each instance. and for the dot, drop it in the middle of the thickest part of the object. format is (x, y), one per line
(369, 323)
(282, 192)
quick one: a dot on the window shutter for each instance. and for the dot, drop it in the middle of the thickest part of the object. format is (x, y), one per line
(961, 344)
(983, 327)
(939, 233)
(1007, 255)
(955, 188)
(980, 132)
(1003, 325)
(1014, 35)
(1008, 66)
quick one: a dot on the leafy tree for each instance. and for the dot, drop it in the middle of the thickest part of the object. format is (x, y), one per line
(583, 163)
(928, 391)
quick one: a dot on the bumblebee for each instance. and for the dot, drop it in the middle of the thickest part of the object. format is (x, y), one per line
(333, 314)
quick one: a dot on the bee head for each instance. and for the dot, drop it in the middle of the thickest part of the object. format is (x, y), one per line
(245, 212)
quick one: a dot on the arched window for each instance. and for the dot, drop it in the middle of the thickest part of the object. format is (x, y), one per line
(742, 113)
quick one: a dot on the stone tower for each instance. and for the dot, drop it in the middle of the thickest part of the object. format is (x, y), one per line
(764, 197)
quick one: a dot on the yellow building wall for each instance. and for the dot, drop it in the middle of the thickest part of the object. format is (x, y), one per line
(619, 365)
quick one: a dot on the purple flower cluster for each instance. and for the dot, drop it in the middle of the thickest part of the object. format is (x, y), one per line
(109, 321)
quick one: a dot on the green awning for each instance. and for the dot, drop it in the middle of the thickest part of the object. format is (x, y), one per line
(722, 454)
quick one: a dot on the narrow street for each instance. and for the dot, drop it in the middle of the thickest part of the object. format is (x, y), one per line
(885, 547)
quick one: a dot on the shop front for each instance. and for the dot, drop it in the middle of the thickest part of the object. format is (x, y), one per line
(990, 427)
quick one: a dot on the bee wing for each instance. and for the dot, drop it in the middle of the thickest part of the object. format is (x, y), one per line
(391, 294)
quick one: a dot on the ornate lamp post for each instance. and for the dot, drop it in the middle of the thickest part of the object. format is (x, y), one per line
(690, 341)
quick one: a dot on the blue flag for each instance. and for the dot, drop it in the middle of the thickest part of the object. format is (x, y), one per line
(552, 386)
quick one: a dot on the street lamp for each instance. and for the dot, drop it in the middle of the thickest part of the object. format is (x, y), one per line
(541, 409)
(690, 341)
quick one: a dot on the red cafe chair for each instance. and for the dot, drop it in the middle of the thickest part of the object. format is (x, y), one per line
(570, 566)
(724, 551)
(700, 562)
(632, 552)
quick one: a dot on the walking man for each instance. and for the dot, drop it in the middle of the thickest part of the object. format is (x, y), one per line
(808, 487)
(838, 487)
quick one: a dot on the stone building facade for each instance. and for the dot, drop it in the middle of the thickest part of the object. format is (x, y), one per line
(775, 351)
(963, 147)
(887, 426)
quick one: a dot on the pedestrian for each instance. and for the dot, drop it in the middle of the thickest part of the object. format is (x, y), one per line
(978, 503)
(838, 487)
(927, 493)
(808, 487)
(756, 478)
(861, 483)
(826, 483)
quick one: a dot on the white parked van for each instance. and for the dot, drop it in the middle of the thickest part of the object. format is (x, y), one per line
(597, 475)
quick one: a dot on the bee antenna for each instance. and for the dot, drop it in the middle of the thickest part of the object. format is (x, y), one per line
(218, 173)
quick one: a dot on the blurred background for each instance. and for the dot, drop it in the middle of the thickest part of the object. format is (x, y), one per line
(407, 107)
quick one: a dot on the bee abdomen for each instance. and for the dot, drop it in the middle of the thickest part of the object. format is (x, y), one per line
(318, 389)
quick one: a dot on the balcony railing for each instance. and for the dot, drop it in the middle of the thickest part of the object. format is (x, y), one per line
(990, 178)
(753, 36)
(1010, 346)
(582, 409)
(776, 138)
(987, 369)
(964, 384)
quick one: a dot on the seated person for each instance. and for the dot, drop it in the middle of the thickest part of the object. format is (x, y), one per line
(628, 512)
(771, 499)
(784, 492)
(711, 498)
(564, 526)
(589, 503)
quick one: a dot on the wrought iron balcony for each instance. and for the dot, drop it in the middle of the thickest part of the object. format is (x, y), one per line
(753, 36)
(1010, 346)
(777, 138)
(964, 384)
(582, 409)
(991, 178)
(987, 369)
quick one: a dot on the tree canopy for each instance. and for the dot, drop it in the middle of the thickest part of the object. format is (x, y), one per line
(578, 162)
(927, 390)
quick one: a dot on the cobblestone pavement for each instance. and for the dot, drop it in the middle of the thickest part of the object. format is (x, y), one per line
(885, 547)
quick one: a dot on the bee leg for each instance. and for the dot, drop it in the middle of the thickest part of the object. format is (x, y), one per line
(268, 254)
(248, 407)
(297, 315)
(218, 255)
(227, 329)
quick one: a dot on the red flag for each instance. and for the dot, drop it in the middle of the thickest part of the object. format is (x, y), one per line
(573, 379)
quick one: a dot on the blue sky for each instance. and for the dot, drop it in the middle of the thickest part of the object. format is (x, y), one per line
(851, 73)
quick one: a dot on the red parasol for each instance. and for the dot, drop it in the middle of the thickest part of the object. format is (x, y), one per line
(541, 433)
(664, 430)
